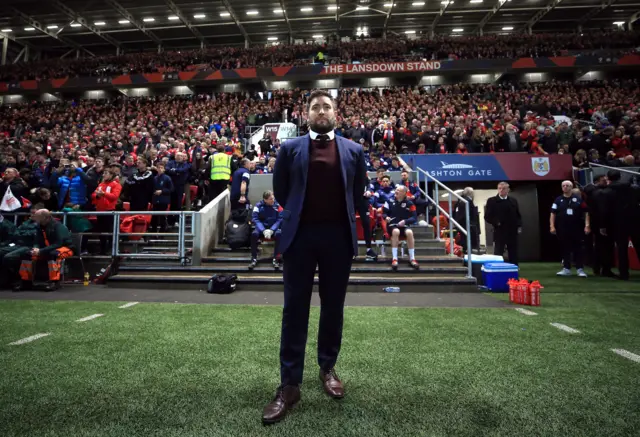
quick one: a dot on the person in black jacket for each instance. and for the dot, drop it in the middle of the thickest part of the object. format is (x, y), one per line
(502, 212)
(622, 215)
(161, 198)
(140, 186)
(460, 216)
(602, 248)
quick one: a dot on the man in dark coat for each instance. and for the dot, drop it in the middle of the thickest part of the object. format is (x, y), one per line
(502, 212)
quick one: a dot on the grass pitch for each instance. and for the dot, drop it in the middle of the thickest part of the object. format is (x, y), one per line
(207, 370)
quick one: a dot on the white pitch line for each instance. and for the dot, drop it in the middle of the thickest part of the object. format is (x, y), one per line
(627, 354)
(526, 312)
(130, 304)
(565, 328)
(29, 339)
(91, 317)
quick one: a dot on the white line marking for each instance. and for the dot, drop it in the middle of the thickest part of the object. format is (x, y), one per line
(130, 304)
(627, 354)
(91, 317)
(565, 328)
(29, 339)
(526, 312)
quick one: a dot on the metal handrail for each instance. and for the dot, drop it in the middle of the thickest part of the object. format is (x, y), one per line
(623, 170)
(466, 231)
(116, 234)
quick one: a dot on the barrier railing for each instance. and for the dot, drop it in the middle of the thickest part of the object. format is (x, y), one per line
(116, 233)
(466, 231)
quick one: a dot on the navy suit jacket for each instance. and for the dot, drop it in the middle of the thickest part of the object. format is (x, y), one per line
(290, 183)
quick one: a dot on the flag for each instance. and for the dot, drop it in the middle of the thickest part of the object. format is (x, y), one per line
(26, 203)
(9, 201)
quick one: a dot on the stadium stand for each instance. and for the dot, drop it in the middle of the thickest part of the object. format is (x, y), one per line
(363, 51)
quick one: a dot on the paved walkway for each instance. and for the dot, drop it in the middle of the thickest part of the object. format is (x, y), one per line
(101, 293)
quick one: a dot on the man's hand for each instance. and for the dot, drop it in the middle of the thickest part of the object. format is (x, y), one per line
(553, 230)
(388, 219)
(603, 232)
(587, 229)
(242, 199)
(268, 233)
(520, 230)
(35, 251)
(367, 194)
(158, 192)
(401, 224)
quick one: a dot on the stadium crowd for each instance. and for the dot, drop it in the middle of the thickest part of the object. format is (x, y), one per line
(147, 153)
(364, 50)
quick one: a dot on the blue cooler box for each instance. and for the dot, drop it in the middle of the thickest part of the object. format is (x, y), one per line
(496, 276)
(477, 262)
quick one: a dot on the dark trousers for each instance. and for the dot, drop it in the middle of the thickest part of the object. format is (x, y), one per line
(602, 255)
(621, 239)
(104, 224)
(176, 203)
(327, 246)
(159, 219)
(474, 239)
(217, 187)
(571, 246)
(256, 236)
(508, 239)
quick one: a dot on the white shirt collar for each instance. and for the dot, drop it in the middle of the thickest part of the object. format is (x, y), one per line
(314, 135)
(503, 198)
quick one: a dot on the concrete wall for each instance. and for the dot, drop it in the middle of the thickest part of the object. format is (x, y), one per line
(529, 240)
(209, 226)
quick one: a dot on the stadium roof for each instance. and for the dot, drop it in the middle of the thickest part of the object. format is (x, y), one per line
(103, 26)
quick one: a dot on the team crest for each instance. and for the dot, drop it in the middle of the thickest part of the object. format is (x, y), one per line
(540, 166)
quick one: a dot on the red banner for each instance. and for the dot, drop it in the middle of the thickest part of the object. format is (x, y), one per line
(382, 67)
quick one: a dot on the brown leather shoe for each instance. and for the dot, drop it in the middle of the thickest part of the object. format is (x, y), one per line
(332, 384)
(286, 397)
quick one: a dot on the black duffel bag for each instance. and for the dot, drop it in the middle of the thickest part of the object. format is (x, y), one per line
(222, 284)
(237, 231)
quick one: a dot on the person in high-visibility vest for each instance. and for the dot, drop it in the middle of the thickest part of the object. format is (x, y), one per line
(219, 169)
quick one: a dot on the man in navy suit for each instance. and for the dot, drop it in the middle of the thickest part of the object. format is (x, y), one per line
(318, 180)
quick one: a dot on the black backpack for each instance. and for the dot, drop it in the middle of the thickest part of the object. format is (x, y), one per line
(222, 284)
(238, 230)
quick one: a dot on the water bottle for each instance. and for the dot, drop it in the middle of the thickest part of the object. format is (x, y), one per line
(392, 290)
(87, 277)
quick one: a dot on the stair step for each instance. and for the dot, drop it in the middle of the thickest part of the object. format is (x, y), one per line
(245, 258)
(357, 283)
(244, 251)
(267, 268)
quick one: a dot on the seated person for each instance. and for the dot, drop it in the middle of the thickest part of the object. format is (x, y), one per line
(413, 193)
(375, 185)
(53, 243)
(399, 213)
(267, 216)
(14, 240)
(385, 193)
(395, 165)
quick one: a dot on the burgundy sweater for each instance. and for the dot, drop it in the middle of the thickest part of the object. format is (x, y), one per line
(324, 201)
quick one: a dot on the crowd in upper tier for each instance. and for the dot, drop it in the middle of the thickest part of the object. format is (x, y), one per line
(365, 50)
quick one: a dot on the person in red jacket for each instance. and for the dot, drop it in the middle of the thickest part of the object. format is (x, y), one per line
(105, 198)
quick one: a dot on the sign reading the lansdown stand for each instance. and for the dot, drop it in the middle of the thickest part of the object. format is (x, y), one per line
(382, 67)
(492, 167)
